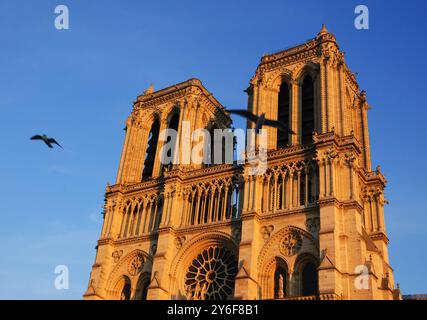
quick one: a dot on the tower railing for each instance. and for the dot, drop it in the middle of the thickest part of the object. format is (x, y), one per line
(214, 199)
(289, 186)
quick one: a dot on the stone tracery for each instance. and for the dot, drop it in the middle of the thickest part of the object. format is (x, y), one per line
(291, 242)
(290, 185)
(211, 201)
(190, 207)
(136, 264)
(211, 275)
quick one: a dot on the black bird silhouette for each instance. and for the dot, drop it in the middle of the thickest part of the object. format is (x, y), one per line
(261, 120)
(46, 139)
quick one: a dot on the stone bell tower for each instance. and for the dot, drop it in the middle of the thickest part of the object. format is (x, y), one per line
(319, 193)
(310, 227)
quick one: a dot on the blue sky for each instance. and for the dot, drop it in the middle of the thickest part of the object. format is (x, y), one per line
(78, 86)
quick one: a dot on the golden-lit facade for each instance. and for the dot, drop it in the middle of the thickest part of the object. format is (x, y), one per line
(310, 227)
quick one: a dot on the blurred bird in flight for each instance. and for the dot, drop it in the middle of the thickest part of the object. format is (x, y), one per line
(261, 121)
(48, 141)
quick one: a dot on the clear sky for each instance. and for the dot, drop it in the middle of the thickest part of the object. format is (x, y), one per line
(78, 85)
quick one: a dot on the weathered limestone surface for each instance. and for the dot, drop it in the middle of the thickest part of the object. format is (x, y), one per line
(305, 229)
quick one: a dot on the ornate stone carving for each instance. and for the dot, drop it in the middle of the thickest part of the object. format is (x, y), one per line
(350, 158)
(331, 154)
(313, 224)
(291, 242)
(329, 172)
(281, 293)
(117, 255)
(179, 241)
(266, 231)
(211, 275)
(136, 264)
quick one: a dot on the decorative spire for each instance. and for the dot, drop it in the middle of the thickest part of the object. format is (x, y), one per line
(149, 90)
(323, 30)
(325, 36)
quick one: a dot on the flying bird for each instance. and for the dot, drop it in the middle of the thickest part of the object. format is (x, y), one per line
(48, 141)
(261, 120)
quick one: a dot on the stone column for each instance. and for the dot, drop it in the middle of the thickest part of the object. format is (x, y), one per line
(176, 158)
(366, 144)
(345, 126)
(306, 200)
(294, 112)
(298, 189)
(272, 113)
(118, 222)
(322, 177)
(160, 280)
(330, 103)
(291, 189)
(246, 285)
(107, 214)
(185, 211)
(323, 98)
(119, 178)
(157, 168)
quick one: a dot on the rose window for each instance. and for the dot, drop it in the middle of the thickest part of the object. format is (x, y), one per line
(211, 275)
(291, 242)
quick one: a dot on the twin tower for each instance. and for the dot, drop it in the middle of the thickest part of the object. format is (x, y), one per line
(310, 227)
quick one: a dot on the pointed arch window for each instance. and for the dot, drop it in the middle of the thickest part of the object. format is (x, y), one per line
(307, 117)
(309, 279)
(125, 294)
(142, 287)
(211, 160)
(283, 115)
(150, 154)
(302, 188)
(173, 125)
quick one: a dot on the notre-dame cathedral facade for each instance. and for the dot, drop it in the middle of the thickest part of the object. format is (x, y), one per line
(310, 227)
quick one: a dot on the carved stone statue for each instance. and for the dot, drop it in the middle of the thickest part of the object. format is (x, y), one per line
(196, 295)
(189, 293)
(203, 292)
(281, 293)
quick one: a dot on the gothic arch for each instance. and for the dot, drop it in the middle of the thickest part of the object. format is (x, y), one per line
(309, 68)
(151, 149)
(171, 109)
(307, 282)
(275, 247)
(268, 281)
(279, 102)
(175, 112)
(148, 117)
(126, 216)
(307, 107)
(211, 127)
(142, 286)
(171, 117)
(278, 77)
(190, 251)
(128, 269)
(122, 289)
